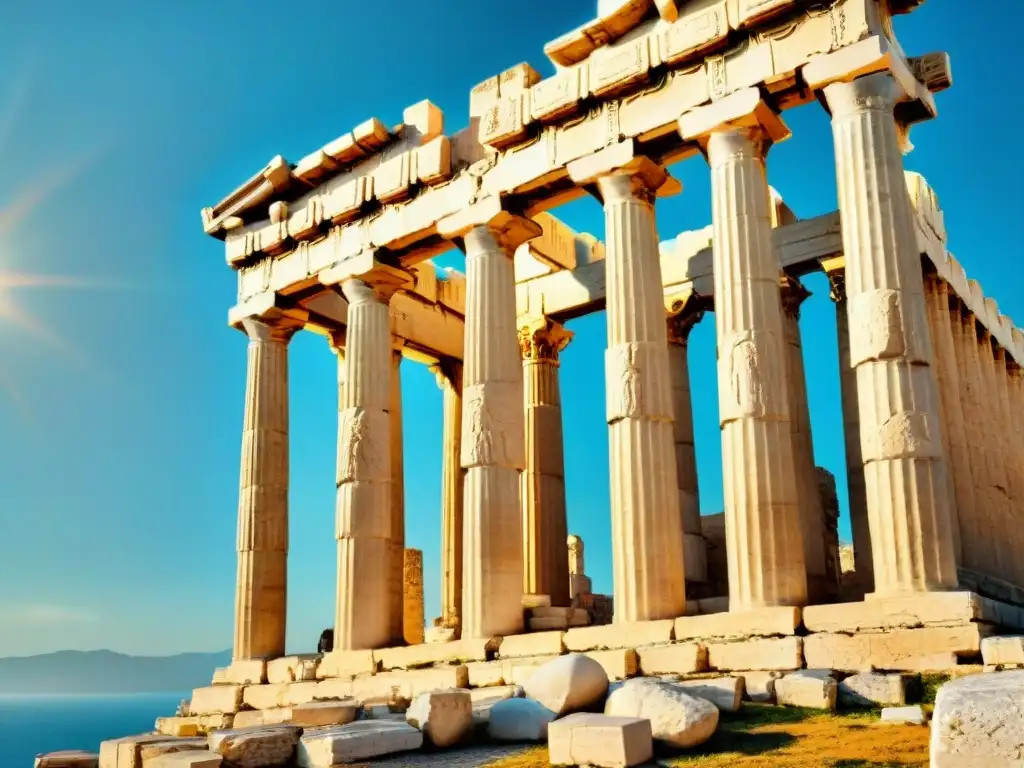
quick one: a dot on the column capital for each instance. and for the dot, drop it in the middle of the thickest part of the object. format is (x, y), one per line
(263, 329)
(619, 172)
(378, 287)
(268, 309)
(743, 115)
(793, 293)
(366, 268)
(447, 372)
(541, 339)
(681, 314)
(509, 229)
(834, 268)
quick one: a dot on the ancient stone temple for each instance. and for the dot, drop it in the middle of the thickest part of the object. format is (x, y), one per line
(340, 244)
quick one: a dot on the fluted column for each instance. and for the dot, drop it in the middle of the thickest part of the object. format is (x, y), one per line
(1006, 442)
(261, 588)
(901, 440)
(822, 586)
(855, 488)
(954, 440)
(493, 430)
(397, 555)
(979, 546)
(449, 379)
(678, 330)
(999, 478)
(545, 530)
(764, 542)
(647, 548)
(364, 612)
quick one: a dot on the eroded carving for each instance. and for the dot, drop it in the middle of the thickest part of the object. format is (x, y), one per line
(487, 438)
(358, 452)
(575, 555)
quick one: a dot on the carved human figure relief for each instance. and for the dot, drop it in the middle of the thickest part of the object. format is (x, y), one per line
(745, 377)
(624, 387)
(485, 431)
(355, 443)
(575, 555)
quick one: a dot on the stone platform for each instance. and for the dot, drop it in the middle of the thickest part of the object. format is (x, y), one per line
(935, 632)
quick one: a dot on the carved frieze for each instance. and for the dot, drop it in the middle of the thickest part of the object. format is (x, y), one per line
(490, 436)
(749, 375)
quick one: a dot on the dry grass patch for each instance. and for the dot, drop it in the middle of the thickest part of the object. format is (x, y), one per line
(782, 737)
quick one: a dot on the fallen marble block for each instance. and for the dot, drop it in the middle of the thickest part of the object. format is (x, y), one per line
(600, 740)
(361, 740)
(979, 721)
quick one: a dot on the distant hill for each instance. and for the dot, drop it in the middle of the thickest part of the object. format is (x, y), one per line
(100, 672)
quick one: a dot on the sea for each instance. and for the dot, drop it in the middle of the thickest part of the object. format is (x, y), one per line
(30, 725)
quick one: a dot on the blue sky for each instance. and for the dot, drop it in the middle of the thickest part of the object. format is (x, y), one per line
(120, 413)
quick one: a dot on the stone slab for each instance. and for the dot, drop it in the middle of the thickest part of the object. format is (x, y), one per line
(293, 669)
(759, 686)
(310, 715)
(932, 609)
(676, 659)
(618, 664)
(726, 693)
(535, 644)
(428, 654)
(518, 671)
(765, 622)
(898, 650)
(1004, 650)
(201, 759)
(216, 700)
(389, 686)
(251, 672)
(600, 740)
(812, 688)
(362, 740)
(124, 752)
(256, 747)
(193, 725)
(346, 664)
(871, 689)
(903, 716)
(67, 759)
(482, 674)
(145, 753)
(624, 635)
(784, 653)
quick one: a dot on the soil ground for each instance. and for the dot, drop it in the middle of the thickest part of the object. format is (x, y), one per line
(762, 736)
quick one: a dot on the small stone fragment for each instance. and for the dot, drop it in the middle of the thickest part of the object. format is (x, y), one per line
(1008, 649)
(870, 689)
(903, 716)
(760, 686)
(677, 718)
(445, 717)
(519, 720)
(68, 759)
(567, 684)
(600, 741)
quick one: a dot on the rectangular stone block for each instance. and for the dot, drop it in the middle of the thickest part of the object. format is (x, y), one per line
(434, 161)
(216, 700)
(871, 689)
(67, 759)
(518, 671)
(618, 664)
(625, 635)
(1006, 650)
(653, 112)
(356, 742)
(694, 32)
(293, 669)
(901, 649)
(813, 688)
(241, 673)
(677, 659)
(600, 740)
(932, 609)
(726, 693)
(760, 686)
(264, 696)
(615, 68)
(534, 644)
(505, 121)
(418, 656)
(388, 686)
(346, 664)
(764, 622)
(299, 693)
(196, 759)
(483, 674)
(559, 95)
(771, 653)
(193, 725)
(329, 690)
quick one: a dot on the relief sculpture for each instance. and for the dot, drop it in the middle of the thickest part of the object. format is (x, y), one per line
(356, 445)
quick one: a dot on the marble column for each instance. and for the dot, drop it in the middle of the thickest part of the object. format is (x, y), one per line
(901, 445)
(855, 488)
(679, 325)
(999, 479)
(449, 379)
(364, 612)
(1006, 441)
(545, 530)
(822, 586)
(493, 431)
(397, 556)
(261, 589)
(764, 541)
(954, 440)
(647, 549)
(979, 547)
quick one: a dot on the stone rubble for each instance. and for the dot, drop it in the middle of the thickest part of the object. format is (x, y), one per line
(677, 718)
(444, 717)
